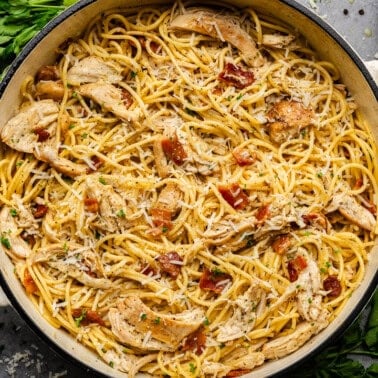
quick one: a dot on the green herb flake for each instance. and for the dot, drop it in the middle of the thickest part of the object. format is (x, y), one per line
(239, 97)
(206, 321)
(164, 229)
(192, 367)
(84, 135)
(121, 214)
(71, 126)
(102, 180)
(319, 174)
(80, 318)
(5, 242)
(157, 320)
(133, 74)
(19, 163)
(111, 364)
(65, 247)
(13, 212)
(143, 316)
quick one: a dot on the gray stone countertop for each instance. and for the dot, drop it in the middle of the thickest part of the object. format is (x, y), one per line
(23, 354)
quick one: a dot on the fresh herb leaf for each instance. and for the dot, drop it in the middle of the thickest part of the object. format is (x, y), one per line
(13, 212)
(102, 180)
(143, 316)
(192, 367)
(121, 214)
(157, 320)
(80, 318)
(5, 242)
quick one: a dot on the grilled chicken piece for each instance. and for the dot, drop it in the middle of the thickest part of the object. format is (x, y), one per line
(169, 198)
(50, 89)
(50, 155)
(243, 319)
(11, 242)
(277, 40)
(21, 131)
(110, 98)
(160, 159)
(214, 369)
(285, 345)
(92, 70)
(81, 263)
(287, 118)
(33, 130)
(353, 211)
(113, 213)
(223, 27)
(132, 320)
(244, 358)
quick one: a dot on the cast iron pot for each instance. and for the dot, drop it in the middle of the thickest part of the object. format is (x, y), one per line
(330, 46)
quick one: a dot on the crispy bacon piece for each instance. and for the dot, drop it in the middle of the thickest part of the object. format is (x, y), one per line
(243, 157)
(170, 263)
(162, 218)
(262, 213)
(316, 220)
(43, 134)
(87, 317)
(40, 211)
(46, 73)
(148, 270)
(28, 282)
(234, 195)
(358, 183)
(174, 150)
(281, 244)
(236, 76)
(195, 342)
(127, 98)
(295, 266)
(91, 205)
(332, 284)
(369, 205)
(30, 239)
(214, 280)
(97, 162)
(237, 373)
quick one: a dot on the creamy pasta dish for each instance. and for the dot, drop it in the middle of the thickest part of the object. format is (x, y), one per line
(188, 191)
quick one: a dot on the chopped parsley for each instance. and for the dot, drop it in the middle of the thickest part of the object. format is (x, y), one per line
(143, 316)
(121, 214)
(217, 272)
(111, 364)
(165, 229)
(80, 319)
(133, 74)
(157, 320)
(84, 135)
(102, 180)
(13, 212)
(71, 126)
(5, 242)
(65, 247)
(319, 174)
(19, 163)
(206, 321)
(192, 367)
(239, 96)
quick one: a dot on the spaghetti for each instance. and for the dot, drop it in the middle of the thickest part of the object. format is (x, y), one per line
(188, 191)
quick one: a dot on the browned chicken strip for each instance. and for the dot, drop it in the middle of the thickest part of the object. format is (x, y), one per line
(91, 70)
(287, 119)
(223, 27)
(110, 98)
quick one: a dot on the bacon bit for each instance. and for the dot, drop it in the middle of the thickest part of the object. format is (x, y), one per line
(358, 183)
(316, 220)
(43, 134)
(217, 91)
(237, 373)
(295, 266)
(174, 150)
(162, 218)
(148, 270)
(28, 282)
(127, 98)
(40, 211)
(97, 162)
(88, 317)
(262, 213)
(30, 239)
(91, 205)
(236, 76)
(168, 265)
(46, 73)
(195, 342)
(281, 244)
(332, 284)
(234, 195)
(214, 280)
(243, 157)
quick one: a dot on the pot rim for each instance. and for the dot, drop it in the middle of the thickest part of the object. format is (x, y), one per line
(342, 43)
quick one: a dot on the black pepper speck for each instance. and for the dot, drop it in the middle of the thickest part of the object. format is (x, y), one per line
(361, 12)
(345, 11)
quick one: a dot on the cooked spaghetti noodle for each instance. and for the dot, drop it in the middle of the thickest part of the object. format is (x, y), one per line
(189, 191)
